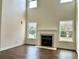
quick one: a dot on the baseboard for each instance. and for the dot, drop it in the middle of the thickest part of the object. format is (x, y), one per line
(9, 47)
(67, 49)
(30, 44)
(77, 52)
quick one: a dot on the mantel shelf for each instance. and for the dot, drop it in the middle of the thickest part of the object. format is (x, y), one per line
(47, 29)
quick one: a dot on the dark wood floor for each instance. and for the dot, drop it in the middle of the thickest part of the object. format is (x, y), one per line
(31, 52)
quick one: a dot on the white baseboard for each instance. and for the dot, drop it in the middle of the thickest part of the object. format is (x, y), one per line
(9, 47)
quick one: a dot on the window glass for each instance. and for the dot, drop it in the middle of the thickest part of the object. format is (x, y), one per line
(66, 31)
(65, 1)
(32, 3)
(32, 30)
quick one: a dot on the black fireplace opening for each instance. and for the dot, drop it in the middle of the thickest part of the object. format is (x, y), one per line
(46, 40)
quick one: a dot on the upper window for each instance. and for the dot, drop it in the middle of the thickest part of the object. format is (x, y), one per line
(32, 3)
(65, 1)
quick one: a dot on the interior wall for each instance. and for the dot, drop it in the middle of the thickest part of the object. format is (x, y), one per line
(77, 27)
(0, 20)
(48, 14)
(12, 31)
(70, 45)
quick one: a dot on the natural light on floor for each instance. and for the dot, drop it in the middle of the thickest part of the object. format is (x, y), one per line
(65, 1)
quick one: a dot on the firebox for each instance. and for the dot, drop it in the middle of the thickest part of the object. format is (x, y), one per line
(46, 40)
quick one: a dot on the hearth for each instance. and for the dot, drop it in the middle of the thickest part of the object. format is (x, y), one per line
(46, 40)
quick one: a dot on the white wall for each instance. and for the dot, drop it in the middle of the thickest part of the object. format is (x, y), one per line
(77, 27)
(12, 31)
(0, 20)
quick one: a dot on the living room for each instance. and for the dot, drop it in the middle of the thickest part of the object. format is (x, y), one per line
(38, 29)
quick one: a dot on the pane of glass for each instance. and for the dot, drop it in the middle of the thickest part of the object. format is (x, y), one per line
(65, 30)
(32, 30)
(33, 4)
(65, 1)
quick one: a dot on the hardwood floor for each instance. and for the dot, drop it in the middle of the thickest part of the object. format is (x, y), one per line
(31, 52)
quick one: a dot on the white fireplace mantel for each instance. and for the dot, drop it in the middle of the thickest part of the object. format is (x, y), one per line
(47, 29)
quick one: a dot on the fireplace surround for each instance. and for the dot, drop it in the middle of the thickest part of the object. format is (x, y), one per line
(47, 32)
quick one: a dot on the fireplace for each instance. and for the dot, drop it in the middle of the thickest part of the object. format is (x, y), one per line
(46, 40)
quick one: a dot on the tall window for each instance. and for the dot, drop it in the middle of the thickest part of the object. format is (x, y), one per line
(65, 1)
(32, 30)
(32, 3)
(66, 31)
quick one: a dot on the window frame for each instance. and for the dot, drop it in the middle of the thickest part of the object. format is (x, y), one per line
(65, 39)
(31, 2)
(28, 30)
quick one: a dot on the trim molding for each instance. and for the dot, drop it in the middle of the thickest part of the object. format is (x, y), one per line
(47, 29)
(9, 47)
(30, 44)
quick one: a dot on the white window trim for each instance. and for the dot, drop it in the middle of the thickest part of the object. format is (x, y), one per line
(28, 30)
(62, 39)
